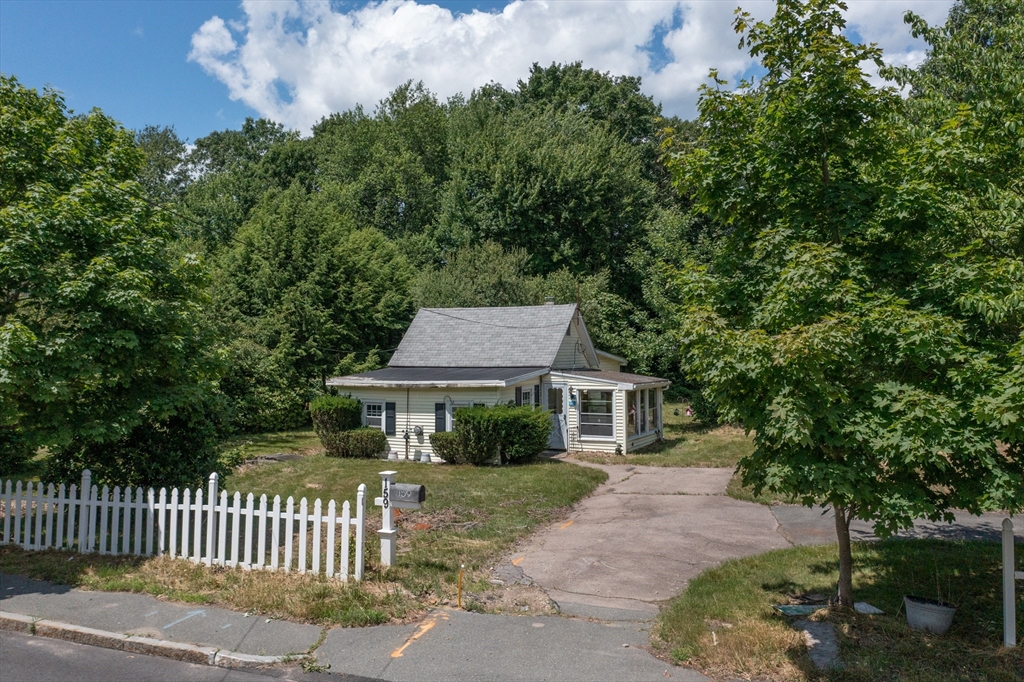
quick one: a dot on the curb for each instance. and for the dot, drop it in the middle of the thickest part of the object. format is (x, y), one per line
(178, 651)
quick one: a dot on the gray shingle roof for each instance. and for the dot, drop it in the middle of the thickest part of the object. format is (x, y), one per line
(524, 336)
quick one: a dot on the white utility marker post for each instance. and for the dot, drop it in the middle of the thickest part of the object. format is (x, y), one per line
(1009, 586)
(388, 533)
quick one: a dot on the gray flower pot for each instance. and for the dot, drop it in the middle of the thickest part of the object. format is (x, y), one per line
(928, 615)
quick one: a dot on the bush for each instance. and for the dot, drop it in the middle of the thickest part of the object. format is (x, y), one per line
(363, 443)
(445, 445)
(15, 451)
(180, 451)
(265, 395)
(513, 434)
(333, 417)
(335, 413)
(704, 409)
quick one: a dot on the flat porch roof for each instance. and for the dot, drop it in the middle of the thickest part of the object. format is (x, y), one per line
(439, 377)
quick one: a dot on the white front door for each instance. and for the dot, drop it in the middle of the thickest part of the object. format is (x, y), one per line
(555, 398)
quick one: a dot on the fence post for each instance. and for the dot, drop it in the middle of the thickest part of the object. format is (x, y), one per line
(211, 528)
(360, 527)
(1009, 588)
(84, 497)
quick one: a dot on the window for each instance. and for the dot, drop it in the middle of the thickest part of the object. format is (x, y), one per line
(455, 407)
(596, 417)
(642, 411)
(642, 421)
(375, 415)
(555, 400)
(527, 396)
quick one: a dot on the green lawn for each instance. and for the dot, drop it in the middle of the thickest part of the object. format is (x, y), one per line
(303, 441)
(471, 517)
(687, 444)
(723, 622)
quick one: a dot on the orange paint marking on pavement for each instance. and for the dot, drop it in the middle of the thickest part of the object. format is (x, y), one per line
(566, 525)
(516, 562)
(424, 627)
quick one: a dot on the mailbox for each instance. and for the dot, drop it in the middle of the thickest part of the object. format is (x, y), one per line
(407, 495)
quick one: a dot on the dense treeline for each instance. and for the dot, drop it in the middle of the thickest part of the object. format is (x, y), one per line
(157, 295)
(321, 249)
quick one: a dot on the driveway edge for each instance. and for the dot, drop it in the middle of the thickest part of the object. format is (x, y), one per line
(178, 651)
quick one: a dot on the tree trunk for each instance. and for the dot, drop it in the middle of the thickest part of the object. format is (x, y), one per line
(845, 556)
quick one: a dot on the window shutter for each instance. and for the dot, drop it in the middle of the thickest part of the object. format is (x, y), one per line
(536, 395)
(389, 419)
(440, 418)
(519, 395)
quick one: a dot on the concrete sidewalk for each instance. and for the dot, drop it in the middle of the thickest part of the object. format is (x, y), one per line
(447, 644)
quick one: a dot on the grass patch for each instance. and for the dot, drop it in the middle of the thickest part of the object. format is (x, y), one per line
(302, 442)
(687, 444)
(736, 490)
(723, 623)
(472, 515)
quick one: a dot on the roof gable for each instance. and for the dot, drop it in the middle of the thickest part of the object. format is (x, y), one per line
(522, 336)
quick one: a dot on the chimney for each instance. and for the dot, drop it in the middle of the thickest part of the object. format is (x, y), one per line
(549, 300)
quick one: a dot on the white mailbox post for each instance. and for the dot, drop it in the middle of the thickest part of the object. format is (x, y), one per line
(394, 495)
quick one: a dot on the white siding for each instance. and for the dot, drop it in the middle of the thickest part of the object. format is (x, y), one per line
(618, 412)
(415, 407)
(570, 354)
(609, 365)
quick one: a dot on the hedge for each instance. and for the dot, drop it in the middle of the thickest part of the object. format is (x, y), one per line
(445, 445)
(512, 434)
(365, 443)
(332, 417)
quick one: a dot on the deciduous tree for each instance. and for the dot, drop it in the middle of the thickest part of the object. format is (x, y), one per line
(848, 318)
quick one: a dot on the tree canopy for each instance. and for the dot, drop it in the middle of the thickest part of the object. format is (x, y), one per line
(857, 316)
(100, 319)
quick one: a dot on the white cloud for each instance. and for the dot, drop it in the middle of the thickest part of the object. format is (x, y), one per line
(295, 61)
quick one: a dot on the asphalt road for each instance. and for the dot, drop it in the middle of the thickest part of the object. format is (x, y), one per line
(37, 659)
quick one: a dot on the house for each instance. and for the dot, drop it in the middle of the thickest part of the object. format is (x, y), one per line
(531, 355)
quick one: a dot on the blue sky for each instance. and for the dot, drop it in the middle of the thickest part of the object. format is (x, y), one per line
(204, 66)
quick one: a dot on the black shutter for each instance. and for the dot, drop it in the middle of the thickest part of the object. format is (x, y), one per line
(519, 395)
(536, 395)
(440, 418)
(389, 419)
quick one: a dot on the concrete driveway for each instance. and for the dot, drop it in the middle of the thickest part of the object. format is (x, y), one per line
(645, 533)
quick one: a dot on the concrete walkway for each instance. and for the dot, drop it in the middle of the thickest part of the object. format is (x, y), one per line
(446, 645)
(645, 533)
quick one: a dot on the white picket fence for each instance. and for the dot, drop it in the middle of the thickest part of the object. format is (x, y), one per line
(214, 530)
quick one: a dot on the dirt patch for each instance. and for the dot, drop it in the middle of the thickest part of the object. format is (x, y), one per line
(514, 600)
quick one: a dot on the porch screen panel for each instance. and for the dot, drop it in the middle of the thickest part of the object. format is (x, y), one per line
(652, 410)
(596, 418)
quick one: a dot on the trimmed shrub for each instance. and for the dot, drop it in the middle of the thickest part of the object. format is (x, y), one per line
(332, 413)
(333, 417)
(445, 445)
(364, 443)
(482, 434)
(523, 432)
